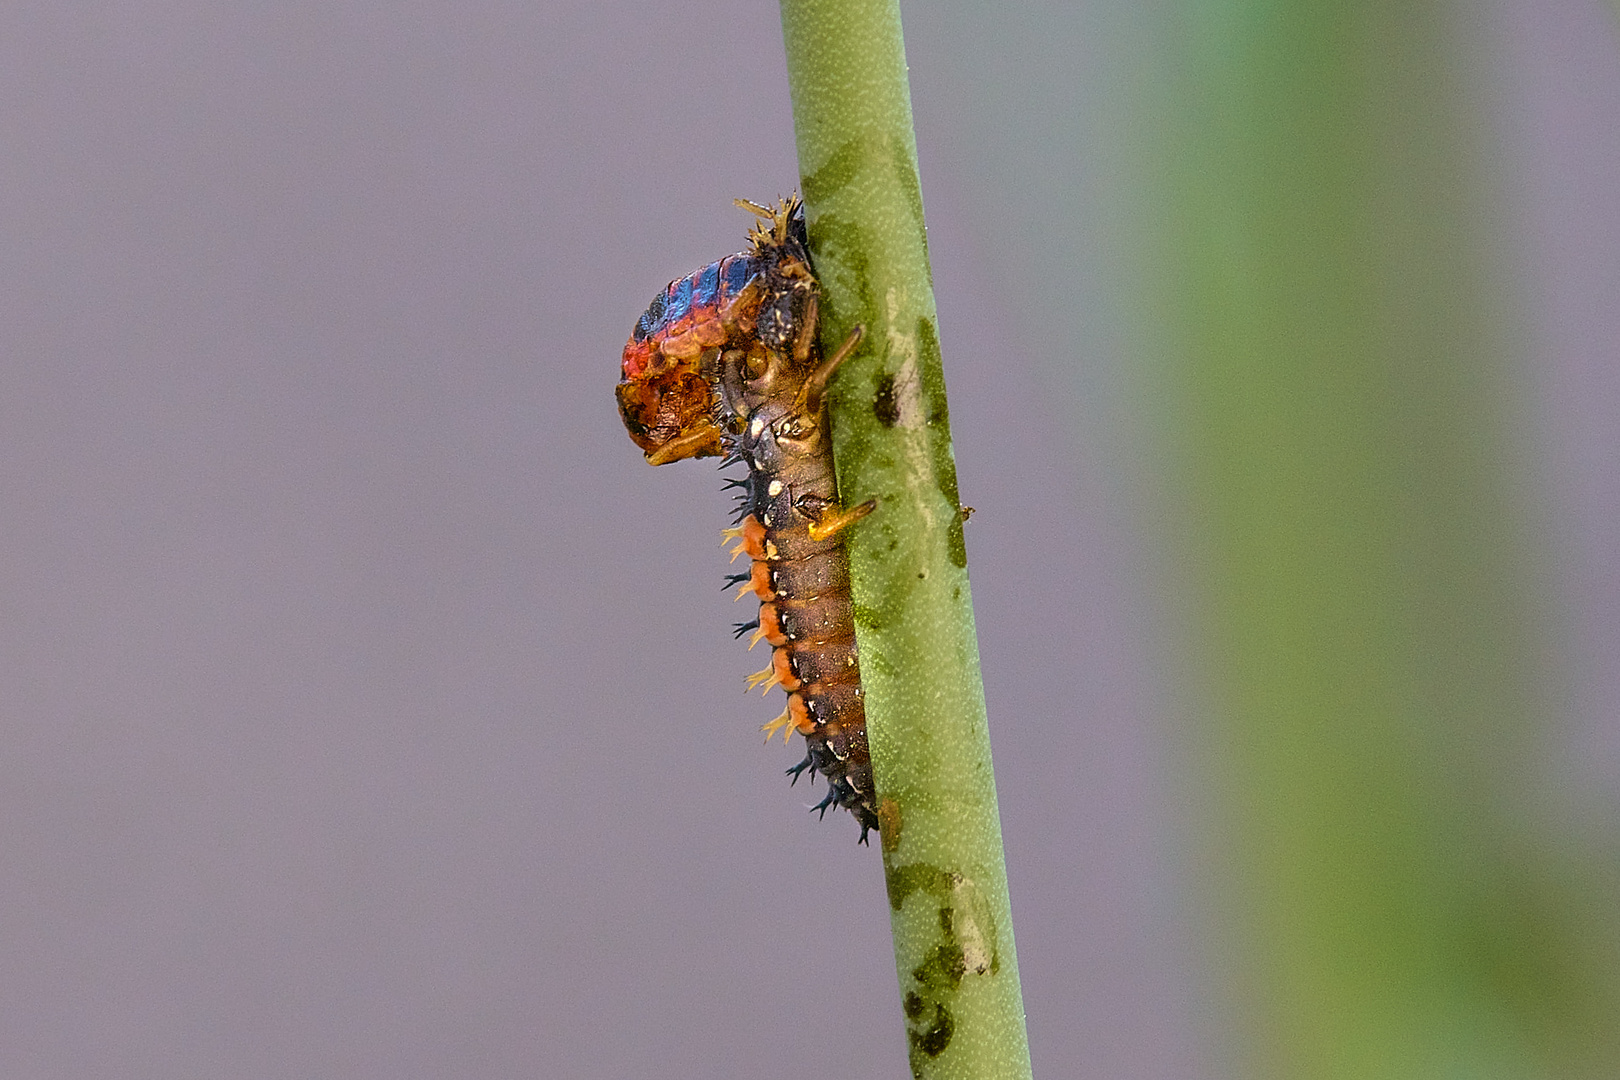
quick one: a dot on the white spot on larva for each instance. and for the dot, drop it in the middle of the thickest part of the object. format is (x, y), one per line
(766, 521)
(775, 489)
(757, 426)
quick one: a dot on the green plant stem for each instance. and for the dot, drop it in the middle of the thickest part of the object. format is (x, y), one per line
(941, 835)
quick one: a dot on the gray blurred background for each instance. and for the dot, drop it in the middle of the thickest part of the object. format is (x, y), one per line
(369, 707)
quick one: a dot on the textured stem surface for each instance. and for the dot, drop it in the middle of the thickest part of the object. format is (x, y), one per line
(941, 835)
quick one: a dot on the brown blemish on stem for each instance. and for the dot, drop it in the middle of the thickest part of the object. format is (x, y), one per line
(889, 824)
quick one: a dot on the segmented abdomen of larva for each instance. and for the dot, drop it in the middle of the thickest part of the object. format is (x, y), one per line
(806, 615)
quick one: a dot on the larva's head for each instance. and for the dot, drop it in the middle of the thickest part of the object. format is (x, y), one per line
(671, 417)
(666, 403)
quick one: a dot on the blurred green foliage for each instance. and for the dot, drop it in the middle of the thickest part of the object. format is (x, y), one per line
(1362, 577)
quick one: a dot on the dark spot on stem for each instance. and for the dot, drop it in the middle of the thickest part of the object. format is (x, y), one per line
(958, 545)
(939, 432)
(866, 617)
(933, 1038)
(944, 966)
(930, 996)
(933, 375)
(884, 405)
(905, 880)
(929, 1024)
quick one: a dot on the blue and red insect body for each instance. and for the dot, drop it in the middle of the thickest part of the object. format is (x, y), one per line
(662, 394)
(725, 361)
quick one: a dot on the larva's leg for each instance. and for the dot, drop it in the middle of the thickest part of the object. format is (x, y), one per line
(747, 297)
(815, 387)
(683, 446)
(832, 519)
(807, 329)
(732, 379)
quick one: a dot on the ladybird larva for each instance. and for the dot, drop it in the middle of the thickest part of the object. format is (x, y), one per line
(726, 361)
